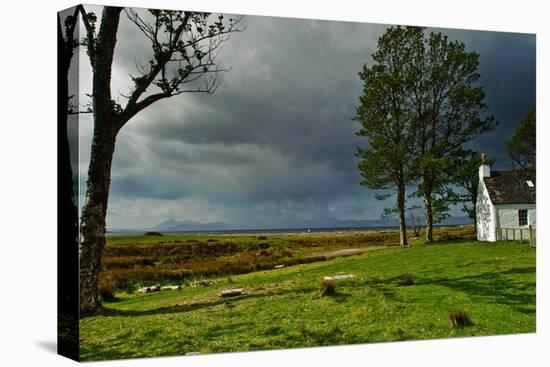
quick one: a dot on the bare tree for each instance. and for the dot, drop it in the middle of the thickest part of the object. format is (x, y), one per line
(184, 50)
(414, 223)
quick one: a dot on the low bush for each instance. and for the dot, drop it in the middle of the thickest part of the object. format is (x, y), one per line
(106, 293)
(261, 238)
(126, 262)
(152, 233)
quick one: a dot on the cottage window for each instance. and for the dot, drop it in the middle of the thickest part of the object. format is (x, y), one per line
(522, 216)
(530, 183)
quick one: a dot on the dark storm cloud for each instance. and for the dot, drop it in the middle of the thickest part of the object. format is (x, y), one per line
(276, 140)
(507, 68)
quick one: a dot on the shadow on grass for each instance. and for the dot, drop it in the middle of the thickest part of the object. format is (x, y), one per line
(338, 297)
(497, 286)
(187, 307)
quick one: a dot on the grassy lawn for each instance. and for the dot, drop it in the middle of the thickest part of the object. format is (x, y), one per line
(282, 308)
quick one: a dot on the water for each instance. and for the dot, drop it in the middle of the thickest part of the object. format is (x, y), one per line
(270, 231)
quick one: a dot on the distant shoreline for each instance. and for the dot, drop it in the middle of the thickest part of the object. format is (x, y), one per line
(277, 231)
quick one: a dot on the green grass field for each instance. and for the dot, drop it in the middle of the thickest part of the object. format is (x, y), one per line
(282, 308)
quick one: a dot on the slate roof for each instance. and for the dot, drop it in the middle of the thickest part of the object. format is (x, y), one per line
(510, 187)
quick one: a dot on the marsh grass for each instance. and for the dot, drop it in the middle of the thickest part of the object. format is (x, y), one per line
(133, 261)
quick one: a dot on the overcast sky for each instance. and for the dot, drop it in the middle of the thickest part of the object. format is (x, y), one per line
(276, 141)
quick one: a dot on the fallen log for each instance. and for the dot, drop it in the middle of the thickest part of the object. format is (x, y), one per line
(231, 292)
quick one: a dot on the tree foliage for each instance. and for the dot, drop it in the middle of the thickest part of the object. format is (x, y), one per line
(522, 146)
(449, 111)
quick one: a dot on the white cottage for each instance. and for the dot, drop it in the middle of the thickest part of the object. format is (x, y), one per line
(506, 204)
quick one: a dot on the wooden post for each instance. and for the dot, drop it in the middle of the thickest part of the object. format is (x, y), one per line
(507, 236)
(513, 234)
(530, 235)
(521, 234)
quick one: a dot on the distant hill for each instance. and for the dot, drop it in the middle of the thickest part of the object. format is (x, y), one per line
(173, 225)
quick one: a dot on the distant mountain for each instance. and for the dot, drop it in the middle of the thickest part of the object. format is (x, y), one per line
(172, 225)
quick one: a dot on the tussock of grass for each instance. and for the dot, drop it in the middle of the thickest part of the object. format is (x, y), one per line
(328, 287)
(408, 279)
(460, 318)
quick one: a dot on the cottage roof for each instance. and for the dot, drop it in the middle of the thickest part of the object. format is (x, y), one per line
(511, 187)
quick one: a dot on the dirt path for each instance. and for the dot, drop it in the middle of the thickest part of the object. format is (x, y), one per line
(342, 252)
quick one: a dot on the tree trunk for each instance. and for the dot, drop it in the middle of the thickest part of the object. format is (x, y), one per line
(428, 210)
(92, 228)
(106, 126)
(428, 214)
(401, 207)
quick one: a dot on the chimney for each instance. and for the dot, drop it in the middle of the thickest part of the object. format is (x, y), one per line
(484, 168)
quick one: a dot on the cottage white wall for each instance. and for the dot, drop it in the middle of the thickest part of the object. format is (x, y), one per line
(507, 217)
(485, 214)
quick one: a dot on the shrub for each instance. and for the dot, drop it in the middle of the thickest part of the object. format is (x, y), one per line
(152, 233)
(263, 245)
(126, 262)
(106, 293)
(131, 287)
(460, 318)
(408, 279)
(328, 287)
(261, 238)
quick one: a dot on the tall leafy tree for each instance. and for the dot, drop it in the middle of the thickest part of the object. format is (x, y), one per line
(184, 47)
(387, 161)
(522, 146)
(449, 111)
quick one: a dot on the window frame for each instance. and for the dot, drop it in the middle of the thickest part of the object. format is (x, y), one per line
(526, 216)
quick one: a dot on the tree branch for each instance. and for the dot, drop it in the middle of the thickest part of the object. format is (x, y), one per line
(161, 62)
(190, 58)
(90, 35)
